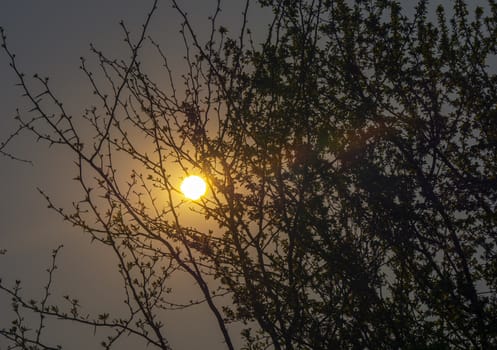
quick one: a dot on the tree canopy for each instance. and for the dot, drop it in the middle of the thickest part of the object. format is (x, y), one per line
(351, 163)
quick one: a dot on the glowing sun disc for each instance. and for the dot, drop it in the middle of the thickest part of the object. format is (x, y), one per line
(193, 187)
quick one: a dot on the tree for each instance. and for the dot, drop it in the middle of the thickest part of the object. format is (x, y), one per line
(351, 160)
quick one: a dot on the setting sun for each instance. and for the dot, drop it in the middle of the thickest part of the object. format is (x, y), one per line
(193, 187)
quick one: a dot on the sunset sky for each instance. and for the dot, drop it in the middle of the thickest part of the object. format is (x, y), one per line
(48, 38)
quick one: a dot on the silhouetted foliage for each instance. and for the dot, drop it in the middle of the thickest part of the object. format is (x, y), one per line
(351, 159)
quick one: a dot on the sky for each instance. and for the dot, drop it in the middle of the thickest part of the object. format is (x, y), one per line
(48, 38)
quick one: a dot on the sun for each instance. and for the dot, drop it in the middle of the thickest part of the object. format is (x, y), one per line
(193, 187)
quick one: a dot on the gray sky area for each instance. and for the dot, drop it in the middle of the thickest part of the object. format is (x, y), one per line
(48, 38)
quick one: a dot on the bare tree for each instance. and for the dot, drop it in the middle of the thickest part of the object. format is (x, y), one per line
(350, 159)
